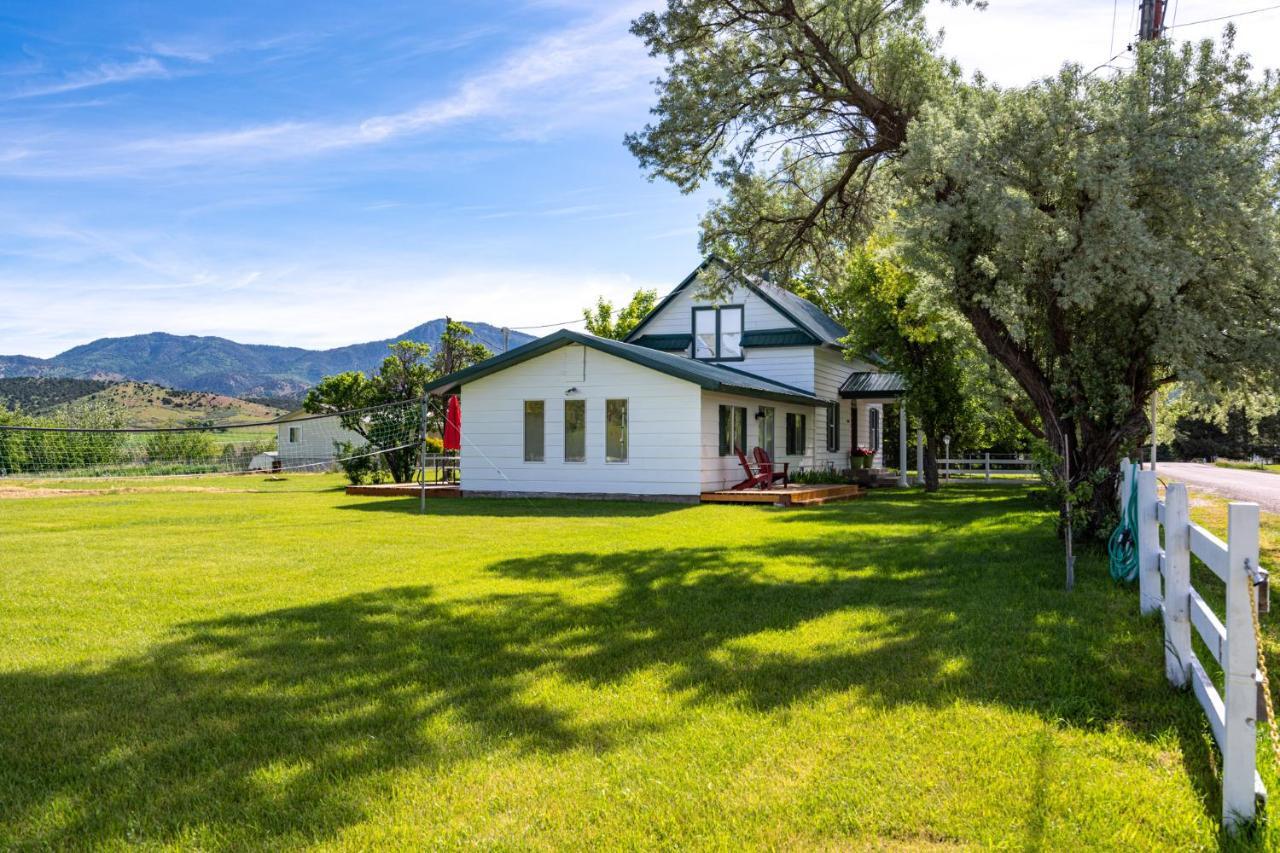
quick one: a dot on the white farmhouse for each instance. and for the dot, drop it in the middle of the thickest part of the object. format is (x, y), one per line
(666, 412)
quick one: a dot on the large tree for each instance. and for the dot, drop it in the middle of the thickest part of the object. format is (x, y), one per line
(1106, 237)
(392, 431)
(950, 389)
(1103, 235)
(603, 322)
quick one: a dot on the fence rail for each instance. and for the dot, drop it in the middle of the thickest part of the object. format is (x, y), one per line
(989, 465)
(1164, 587)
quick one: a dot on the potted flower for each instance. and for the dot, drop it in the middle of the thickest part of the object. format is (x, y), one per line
(860, 457)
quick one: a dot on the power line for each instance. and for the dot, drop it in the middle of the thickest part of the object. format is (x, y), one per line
(1115, 5)
(546, 325)
(1224, 17)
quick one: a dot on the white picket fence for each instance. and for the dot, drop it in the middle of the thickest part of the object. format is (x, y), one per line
(1164, 586)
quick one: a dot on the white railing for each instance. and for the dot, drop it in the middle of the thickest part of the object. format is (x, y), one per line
(1164, 586)
(1004, 467)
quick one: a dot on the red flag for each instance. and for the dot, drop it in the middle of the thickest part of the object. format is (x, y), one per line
(453, 424)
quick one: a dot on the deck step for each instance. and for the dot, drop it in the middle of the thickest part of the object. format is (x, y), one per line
(789, 496)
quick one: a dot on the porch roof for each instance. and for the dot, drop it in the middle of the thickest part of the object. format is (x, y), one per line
(709, 375)
(862, 386)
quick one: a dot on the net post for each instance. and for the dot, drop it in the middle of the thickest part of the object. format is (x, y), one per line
(422, 459)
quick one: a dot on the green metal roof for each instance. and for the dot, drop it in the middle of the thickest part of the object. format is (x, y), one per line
(666, 343)
(708, 375)
(864, 385)
(778, 338)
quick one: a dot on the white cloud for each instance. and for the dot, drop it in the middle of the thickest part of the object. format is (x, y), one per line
(552, 82)
(105, 74)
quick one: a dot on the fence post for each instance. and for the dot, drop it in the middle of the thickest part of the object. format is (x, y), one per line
(1149, 543)
(986, 458)
(1177, 586)
(1239, 662)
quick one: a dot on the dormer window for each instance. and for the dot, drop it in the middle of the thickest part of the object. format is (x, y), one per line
(717, 333)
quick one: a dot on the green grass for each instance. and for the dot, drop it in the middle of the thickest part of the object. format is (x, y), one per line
(1247, 466)
(278, 665)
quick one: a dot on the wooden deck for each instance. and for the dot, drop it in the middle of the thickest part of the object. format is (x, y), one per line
(794, 495)
(406, 490)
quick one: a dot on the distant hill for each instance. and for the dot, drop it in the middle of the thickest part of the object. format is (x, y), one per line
(146, 405)
(32, 394)
(223, 366)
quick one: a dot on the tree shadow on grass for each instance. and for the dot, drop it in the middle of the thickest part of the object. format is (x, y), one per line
(281, 727)
(517, 507)
(261, 727)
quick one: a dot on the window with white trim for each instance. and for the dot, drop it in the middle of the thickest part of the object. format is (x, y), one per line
(535, 427)
(616, 431)
(717, 333)
(833, 427)
(733, 430)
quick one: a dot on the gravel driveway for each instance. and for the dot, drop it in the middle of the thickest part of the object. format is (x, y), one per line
(1262, 487)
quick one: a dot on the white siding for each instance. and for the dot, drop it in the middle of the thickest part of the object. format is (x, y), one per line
(722, 472)
(790, 365)
(314, 444)
(663, 426)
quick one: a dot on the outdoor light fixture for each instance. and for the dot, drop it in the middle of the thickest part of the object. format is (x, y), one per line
(573, 390)
(760, 413)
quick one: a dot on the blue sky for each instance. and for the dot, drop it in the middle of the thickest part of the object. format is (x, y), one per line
(323, 173)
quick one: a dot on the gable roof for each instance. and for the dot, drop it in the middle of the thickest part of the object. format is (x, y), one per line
(800, 311)
(711, 376)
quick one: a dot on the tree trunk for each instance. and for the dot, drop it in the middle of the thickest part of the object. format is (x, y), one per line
(930, 466)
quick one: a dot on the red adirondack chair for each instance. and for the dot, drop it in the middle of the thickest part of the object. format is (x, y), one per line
(769, 468)
(755, 479)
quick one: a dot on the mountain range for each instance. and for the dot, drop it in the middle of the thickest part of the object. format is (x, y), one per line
(223, 366)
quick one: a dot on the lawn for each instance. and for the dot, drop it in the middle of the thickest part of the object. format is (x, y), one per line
(259, 663)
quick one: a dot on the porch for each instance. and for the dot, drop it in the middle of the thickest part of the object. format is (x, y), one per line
(789, 495)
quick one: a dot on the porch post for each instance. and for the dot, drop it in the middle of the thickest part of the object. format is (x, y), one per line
(919, 457)
(902, 441)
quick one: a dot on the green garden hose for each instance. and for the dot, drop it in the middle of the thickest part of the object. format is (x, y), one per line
(1123, 545)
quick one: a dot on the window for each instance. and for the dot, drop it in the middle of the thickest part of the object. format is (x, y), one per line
(873, 429)
(766, 429)
(731, 333)
(796, 429)
(717, 332)
(704, 333)
(733, 430)
(615, 431)
(575, 430)
(534, 430)
(833, 426)
(295, 435)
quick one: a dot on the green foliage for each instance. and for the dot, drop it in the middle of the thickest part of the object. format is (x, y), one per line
(41, 451)
(403, 376)
(359, 463)
(192, 447)
(949, 383)
(33, 394)
(602, 323)
(457, 350)
(1093, 229)
(819, 477)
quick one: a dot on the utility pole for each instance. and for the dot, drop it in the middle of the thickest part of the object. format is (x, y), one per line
(506, 339)
(1151, 19)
